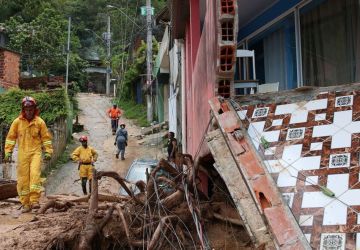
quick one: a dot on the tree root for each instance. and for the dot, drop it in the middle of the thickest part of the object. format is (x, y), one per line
(55, 204)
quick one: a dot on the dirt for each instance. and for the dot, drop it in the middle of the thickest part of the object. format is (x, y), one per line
(97, 127)
(33, 231)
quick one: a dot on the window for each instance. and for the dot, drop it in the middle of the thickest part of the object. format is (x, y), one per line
(330, 42)
(275, 54)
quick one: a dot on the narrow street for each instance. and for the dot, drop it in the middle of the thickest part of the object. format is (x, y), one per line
(97, 127)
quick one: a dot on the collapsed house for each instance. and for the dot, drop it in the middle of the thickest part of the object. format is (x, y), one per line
(297, 150)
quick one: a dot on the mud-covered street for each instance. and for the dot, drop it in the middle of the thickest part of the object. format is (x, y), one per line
(97, 127)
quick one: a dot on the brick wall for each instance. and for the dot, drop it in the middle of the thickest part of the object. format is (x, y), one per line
(9, 69)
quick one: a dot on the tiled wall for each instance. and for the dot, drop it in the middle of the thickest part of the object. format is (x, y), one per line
(309, 145)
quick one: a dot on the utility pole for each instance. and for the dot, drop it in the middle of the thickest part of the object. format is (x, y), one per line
(67, 57)
(108, 69)
(148, 62)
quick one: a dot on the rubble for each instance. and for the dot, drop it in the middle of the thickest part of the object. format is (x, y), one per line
(169, 212)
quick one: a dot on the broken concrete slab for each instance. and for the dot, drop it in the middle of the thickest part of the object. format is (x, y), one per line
(228, 170)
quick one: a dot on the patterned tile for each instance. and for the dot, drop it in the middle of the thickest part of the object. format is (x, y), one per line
(314, 149)
(332, 241)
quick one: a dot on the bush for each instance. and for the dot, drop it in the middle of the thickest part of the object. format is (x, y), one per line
(52, 104)
(136, 112)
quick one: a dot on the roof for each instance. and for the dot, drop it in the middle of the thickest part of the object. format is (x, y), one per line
(163, 15)
(10, 50)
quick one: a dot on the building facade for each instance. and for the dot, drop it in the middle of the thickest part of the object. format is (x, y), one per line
(9, 69)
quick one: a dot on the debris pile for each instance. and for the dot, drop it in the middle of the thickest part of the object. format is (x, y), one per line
(169, 211)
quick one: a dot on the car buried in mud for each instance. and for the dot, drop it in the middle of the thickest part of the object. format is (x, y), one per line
(137, 172)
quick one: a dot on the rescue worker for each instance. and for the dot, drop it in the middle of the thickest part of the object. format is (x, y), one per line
(32, 135)
(114, 114)
(121, 141)
(86, 156)
(171, 146)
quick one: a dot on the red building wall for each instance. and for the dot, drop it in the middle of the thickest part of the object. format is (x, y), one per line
(200, 73)
(9, 69)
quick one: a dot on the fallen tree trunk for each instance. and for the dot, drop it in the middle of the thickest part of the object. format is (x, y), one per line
(7, 189)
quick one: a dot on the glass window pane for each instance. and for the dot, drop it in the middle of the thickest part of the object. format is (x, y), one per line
(275, 54)
(330, 42)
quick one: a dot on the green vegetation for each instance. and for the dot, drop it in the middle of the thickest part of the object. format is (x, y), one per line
(134, 111)
(52, 105)
(135, 69)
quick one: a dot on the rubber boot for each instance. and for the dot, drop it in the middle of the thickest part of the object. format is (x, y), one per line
(83, 185)
(90, 186)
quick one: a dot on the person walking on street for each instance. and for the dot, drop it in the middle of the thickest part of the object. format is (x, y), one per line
(33, 137)
(86, 156)
(114, 114)
(121, 141)
(171, 146)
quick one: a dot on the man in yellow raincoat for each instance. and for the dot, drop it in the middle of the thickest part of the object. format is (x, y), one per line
(33, 136)
(86, 156)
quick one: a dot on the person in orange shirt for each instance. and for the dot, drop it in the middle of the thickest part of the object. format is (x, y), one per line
(114, 114)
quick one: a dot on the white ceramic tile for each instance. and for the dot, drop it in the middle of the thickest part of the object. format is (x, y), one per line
(358, 218)
(299, 111)
(277, 122)
(317, 104)
(306, 220)
(316, 146)
(292, 153)
(320, 117)
(242, 114)
(311, 180)
(342, 101)
(255, 131)
(295, 134)
(308, 237)
(314, 199)
(270, 151)
(299, 116)
(285, 109)
(335, 213)
(271, 136)
(339, 160)
(340, 130)
(338, 183)
(292, 163)
(332, 241)
(260, 112)
(288, 176)
(274, 166)
(288, 198)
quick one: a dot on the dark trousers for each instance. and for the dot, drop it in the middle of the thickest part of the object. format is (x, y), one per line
(114, 124)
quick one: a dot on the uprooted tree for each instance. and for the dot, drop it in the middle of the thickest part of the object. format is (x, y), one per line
(168, 212)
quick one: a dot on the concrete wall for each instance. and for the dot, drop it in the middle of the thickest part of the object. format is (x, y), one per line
(9, 69)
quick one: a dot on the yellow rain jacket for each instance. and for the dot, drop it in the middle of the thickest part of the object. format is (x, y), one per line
(32, 137)
(86, 156)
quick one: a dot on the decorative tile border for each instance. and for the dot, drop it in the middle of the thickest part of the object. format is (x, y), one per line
(260, 112)
(339, 160)
(332, 241)
(342, 101)
(295, 134)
